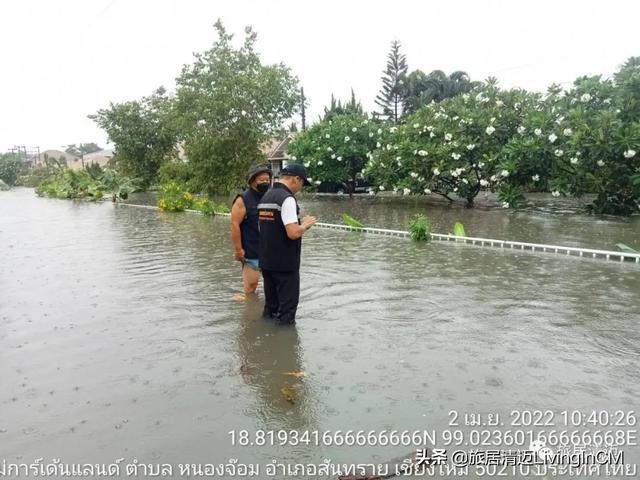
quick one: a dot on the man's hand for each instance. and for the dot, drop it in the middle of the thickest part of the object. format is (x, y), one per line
(308, 222)
(239, 255)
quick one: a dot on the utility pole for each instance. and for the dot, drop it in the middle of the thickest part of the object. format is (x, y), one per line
(303, 115)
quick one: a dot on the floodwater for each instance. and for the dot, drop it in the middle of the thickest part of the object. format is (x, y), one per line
(120, 338)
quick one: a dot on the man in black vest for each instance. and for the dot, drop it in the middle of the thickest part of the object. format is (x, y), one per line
(281, 242)
(244, 226)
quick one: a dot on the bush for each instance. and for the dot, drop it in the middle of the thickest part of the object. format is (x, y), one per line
(176, 197)
(420, 229)
(10, 168)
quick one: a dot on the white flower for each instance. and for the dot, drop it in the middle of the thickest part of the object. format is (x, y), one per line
(430, 128)
(202, 122)
(499, 103)
(339, 159)
(504, 173)
(333, 156)
(493, 178)
(574, 160)
(455, 189)
(493, 119)
(521, 130)
(243, 113)
(370, 134)
(505, 204)
(436, 172)
(516, 105)
(538, 132)
(365, 122)
(490, 130)
(327, 136)
(416, 125)
(406, 191)
(294, 158)
(320, 162)
(371, 192)
(558, 153)
(423, 153)
(306, 164)
(378, 145)
(600, 163)
(555, 193)
(329, 149)
(381, 188)
(471, 146)
(379, 131)
(465, 181)
(606, 101)
(455, 156)
(347, 138)
(585, 97)
(317, 182)
(427, 191)
(553, 137)
(484, 183)
(398, 158)
(310, 179)
(448, 137)
(535, 178)
(431, 135)
(567, 132)
(388, 146)
(629, 153)
(413, 175)
(481, 164)
(354, 129)
(393, 129)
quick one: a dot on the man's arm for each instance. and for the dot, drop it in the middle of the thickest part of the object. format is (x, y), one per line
(238, 213)
(290, 220)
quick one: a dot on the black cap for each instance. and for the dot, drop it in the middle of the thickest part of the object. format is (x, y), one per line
(295, 170)
(257, 170)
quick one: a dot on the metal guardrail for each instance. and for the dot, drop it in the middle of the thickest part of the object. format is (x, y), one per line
(483, 242)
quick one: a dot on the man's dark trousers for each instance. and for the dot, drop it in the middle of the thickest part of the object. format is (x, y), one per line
(282, 293)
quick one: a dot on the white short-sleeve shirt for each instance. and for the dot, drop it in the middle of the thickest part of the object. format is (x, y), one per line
(288, 211)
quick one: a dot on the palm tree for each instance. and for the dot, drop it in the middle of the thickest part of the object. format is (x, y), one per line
(435, 87)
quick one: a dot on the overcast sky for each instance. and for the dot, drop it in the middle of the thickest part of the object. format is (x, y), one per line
(62, 60)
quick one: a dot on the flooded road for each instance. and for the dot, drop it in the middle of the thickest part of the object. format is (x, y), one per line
(119, 336)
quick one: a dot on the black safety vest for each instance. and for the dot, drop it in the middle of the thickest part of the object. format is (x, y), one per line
(277, 251)
(250, 234)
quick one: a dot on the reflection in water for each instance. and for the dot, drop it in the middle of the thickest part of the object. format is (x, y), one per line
(271, 363)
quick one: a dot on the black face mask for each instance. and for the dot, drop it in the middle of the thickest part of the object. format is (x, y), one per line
(262, 188)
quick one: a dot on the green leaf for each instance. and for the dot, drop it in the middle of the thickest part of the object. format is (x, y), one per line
(458, 230)
(350, 221)
(626, 249)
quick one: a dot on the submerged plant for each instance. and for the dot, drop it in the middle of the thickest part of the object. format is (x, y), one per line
(350, 221)
(458, 230)
(420, 229)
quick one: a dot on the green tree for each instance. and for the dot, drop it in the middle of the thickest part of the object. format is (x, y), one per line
(423, 89)
(228, 104)
(143, 132)
(336, 150)
(392, 98)
(10, 168)
(336, 108)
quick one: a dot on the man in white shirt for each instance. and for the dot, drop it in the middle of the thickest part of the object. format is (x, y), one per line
(281, 234)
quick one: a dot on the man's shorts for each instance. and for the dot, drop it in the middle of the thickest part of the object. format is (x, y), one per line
(253, 263)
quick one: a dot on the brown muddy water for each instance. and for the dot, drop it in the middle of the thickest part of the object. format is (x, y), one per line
(120, 338)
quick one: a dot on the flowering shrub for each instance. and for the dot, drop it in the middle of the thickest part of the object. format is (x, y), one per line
(582, 141)
(451, 148)
(336, 150)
